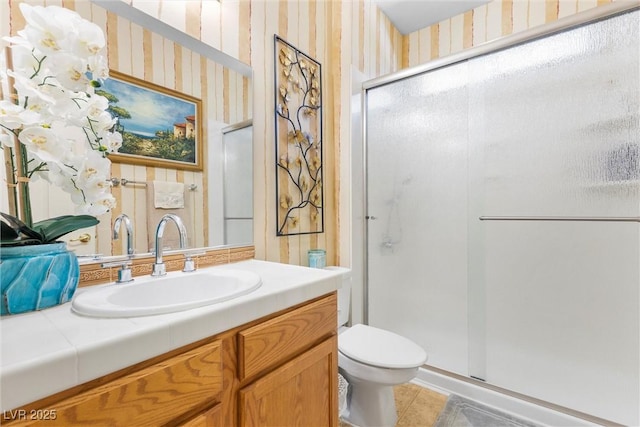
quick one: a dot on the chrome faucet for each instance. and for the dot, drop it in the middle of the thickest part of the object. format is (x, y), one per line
(128, 226)
(159, 268)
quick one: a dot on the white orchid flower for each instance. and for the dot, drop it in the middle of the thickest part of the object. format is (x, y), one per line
(99, 67)
(97, 189)
(46, 112)
(79, 107)
(64, 126)
(43, 143)
(6, 139)
(96, 105)
(57, 176)
(71, 108)
(97, 207)
(90, 40)
(95, 166)
(94, 184)
(112, 141)
(102, 206)
(13, 116)
(70, 71)
(48, 29)
(27, 87)
(24, 60)
(102, 122)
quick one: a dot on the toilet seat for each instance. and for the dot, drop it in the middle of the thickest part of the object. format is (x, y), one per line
(377, 347)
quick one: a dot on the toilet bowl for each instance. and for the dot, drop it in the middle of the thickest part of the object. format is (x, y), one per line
(373, 361)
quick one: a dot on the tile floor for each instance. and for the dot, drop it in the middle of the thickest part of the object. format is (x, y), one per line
(417, 406)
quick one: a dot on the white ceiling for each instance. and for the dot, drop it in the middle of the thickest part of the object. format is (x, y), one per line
(411, 15)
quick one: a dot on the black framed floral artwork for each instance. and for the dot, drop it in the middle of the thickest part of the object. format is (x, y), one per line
(298, 136)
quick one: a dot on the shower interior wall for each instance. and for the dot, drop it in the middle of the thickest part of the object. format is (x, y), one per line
(549, 309)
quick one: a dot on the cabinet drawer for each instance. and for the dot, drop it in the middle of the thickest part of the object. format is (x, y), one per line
(277, 340)
(149, 397)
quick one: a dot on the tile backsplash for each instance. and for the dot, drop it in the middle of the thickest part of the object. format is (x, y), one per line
(94, 274)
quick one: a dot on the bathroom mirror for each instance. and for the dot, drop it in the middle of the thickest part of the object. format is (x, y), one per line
(215, 212)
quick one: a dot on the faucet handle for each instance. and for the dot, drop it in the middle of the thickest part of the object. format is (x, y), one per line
(189, 264)
(159, 269)
(124, 274)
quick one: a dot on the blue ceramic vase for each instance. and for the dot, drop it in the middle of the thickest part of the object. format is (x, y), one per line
(34, 277)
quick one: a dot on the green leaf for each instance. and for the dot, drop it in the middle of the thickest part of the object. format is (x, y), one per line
(54, 228)
(20, 227)
(45, 223)
(8, 233)
(20, 242)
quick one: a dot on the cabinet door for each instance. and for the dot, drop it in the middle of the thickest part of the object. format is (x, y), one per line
(302, 392)
(210, 418)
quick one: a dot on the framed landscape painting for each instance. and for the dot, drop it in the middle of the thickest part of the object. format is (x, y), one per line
(159, 126)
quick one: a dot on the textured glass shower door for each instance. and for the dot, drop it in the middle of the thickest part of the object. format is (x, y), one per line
(417, 203)
(555, 124)
(503, 196)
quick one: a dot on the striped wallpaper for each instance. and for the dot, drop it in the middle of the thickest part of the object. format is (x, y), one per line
(341, 35)
(336, 34)
(486, 23)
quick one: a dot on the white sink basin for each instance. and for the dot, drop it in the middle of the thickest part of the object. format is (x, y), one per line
(177, 291)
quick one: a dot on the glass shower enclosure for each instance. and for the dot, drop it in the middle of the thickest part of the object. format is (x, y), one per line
(503, 215)
(237, 147)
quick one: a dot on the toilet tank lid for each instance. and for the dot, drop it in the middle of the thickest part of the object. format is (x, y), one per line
(378, 347)
(345, 274)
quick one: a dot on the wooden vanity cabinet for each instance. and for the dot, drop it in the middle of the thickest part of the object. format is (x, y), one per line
(153, 395)
(288, 366)
(278, 371)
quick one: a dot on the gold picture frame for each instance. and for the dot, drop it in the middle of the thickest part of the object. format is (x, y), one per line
(160, 127)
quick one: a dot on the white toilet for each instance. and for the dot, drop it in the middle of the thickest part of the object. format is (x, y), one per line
(372, 361)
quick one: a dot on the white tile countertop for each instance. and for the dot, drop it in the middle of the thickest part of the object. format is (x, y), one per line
(52, 350)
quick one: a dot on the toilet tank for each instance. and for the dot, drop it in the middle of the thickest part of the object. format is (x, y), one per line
(344, 294)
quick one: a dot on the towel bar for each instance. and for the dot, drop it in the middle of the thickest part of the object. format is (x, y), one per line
(559, 218)
(116, 182)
